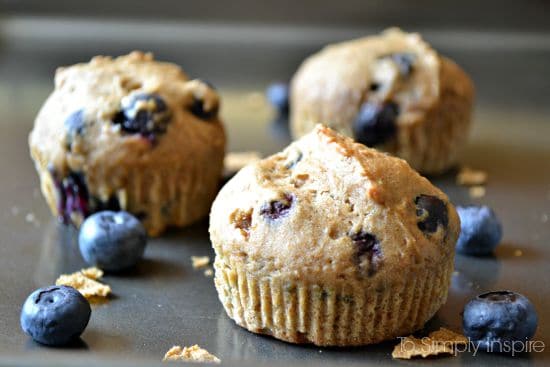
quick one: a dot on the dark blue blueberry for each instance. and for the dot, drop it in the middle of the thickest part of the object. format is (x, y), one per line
(145, 114)
(73, 196)
(375, 123)
(432, 213)
(197, 109)
(112, 241)
(480, 230)
(404, 61)
(367, 247)
(74, 125)
(278, 96)
(277, 208)
(496, 319)
(99, 205)
(55, 315)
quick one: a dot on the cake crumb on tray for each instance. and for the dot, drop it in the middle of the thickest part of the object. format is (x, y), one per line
(190, 354)
(471, 177)
(85, 281)
(200, 261)
(442, 341)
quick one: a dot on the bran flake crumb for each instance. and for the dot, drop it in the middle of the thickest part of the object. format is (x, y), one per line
(477, 192)
(209, 272)
(442, 341)
(200, 261)
(85, 281)
(471, 177)
(190, 354)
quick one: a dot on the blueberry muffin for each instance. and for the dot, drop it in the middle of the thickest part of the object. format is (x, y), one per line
(392, 92)
(133, 134)
(332, 243)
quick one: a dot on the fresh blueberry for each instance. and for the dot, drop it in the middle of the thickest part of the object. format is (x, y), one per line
(74, 125)
(145, 114)
(375, 123)
(496, 319)
(278, 96)
(55, 315)
(277, 208)
(432, 212)
(367, 247)
(480, 230)
(113, 241)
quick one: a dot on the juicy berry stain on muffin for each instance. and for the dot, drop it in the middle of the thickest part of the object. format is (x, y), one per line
(432, 213)
(277, 208)
(73, 196)
(144, 114)
(367, 247)
(375, 123)
(75, 125)
(75, 200)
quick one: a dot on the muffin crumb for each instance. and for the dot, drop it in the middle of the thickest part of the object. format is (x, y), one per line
(190, 354)
(209, 272)
(471, 177)
(200, 261)
(85, 281)
(477, 192)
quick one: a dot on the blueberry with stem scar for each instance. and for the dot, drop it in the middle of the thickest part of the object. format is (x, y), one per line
(113, 241)
(55, 315)
(494, 320)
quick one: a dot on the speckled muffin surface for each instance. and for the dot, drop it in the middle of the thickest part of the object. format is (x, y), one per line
(129, 133)
(392, 92)
(332, 243)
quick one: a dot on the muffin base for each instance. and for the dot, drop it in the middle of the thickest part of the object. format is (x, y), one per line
(340, 314)
(160, 199)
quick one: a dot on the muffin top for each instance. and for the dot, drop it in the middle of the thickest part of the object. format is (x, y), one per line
(125, 111)
(328, 209)
(395, 71)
